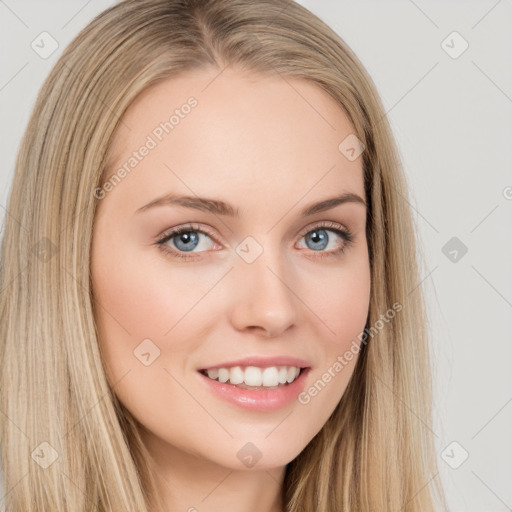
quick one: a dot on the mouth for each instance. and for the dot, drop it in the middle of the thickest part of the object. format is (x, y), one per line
(254, 377)
(256, 389)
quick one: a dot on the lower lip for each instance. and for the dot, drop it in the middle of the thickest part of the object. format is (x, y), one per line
(258, 400)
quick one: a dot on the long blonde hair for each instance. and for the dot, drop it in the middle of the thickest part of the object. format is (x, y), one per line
(66, 441)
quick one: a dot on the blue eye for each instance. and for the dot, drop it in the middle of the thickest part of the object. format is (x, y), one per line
(187, 239)
(319, 239)
(326, 236)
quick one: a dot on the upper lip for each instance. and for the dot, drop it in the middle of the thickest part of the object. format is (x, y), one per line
(262, 362)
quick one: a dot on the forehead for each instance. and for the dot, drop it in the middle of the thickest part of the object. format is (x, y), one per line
(234, 130)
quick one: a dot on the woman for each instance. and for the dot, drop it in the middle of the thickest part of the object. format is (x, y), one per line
(210, 287)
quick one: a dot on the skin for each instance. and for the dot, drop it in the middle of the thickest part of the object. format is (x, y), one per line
(268, 147)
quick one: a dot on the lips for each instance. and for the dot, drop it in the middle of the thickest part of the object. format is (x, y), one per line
(262, 362)
(257, 400)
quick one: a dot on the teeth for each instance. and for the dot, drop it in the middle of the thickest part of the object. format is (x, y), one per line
(255, 376)
(252, 376)
(282, 374)
(269, 376)
(223, 374)
(236, 375)
(213, 374)
(291, 374)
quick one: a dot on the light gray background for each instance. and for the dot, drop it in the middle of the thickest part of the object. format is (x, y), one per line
(452, 120)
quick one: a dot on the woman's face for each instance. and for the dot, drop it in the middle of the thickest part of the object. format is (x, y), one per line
(259, 272)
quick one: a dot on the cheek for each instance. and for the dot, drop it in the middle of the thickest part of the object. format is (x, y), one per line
(340, 301)
(143, 295)
(145, 333)
(348, 310)
(140, 297)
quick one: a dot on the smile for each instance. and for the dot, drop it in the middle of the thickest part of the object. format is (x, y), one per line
(254, 377)
(256, 389)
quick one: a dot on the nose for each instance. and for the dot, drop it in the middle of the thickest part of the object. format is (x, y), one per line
(263, 299)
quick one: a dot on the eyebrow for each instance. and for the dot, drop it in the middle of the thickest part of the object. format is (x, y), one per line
(222, 208)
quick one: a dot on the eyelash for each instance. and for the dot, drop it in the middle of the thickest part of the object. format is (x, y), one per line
(344, 233)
